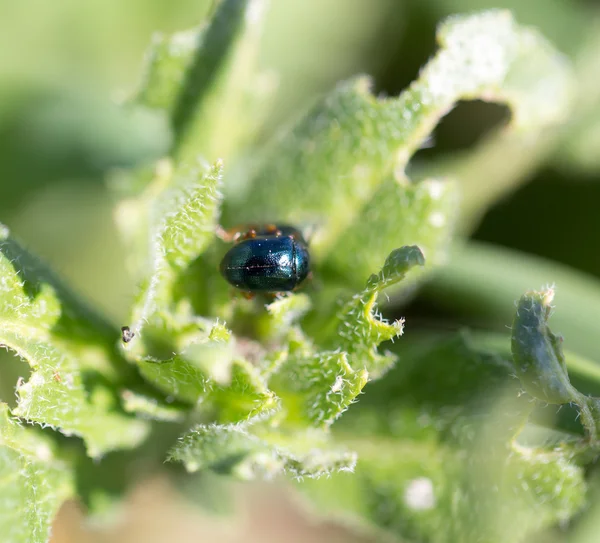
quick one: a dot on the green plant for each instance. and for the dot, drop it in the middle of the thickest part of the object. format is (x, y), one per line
(451, 440)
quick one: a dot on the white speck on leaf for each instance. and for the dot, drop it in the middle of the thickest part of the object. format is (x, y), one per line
(437, 219)
(419, 494)
(435, 189)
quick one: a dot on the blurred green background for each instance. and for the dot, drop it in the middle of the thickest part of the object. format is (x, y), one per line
(65, 64)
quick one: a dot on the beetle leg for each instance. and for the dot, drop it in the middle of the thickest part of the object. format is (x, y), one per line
(235, 233)
(272, 230)
(227, 235)
(246, 235)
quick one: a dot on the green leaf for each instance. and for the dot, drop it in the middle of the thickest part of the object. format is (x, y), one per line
(70, 350)
(445, 380)
(33, 482)
(244, 395)
(426, 493)
(540, 363)
(178, 377)
(316, 389)
(250, 452)
(344, 163)
(167, 61)
(360, 330)
(282, 314)
(347, 147)
(399, 213)
(205, 79)
(58, 396)
(538, 356)
(440, 453)
(151, 408)
(224, 99)
(180, 211)
(540, 90)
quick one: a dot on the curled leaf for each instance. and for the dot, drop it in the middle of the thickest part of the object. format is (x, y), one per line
(399, 213)
(360, 330)
(539, 360)
(317, 388)
(353, 147)
(537, 352)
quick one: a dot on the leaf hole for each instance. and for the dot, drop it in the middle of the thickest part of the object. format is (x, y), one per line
(12, 369)
(467, 124)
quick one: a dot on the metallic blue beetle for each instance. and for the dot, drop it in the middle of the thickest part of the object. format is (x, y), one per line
(266, 258)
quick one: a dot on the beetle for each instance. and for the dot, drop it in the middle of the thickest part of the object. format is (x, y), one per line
(265, 258)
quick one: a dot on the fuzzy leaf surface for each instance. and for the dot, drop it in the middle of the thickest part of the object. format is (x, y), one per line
(244, 395)
(317, 388)
(33, 482)
(540, 363)
(439, 457)
(181, 211)
(359, 329)
(250, 453)
(344, 162)
(70, 353)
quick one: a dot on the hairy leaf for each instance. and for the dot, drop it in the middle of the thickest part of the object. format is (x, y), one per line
(360, 330)
(70, 352)
(250, 454)
(540, 363)
(439, 455)
(151, 408)
(181, 210)
(283, 313)
(244, 395)
(353, 148)
(399, 213)
(33, 482)
(317, 388)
